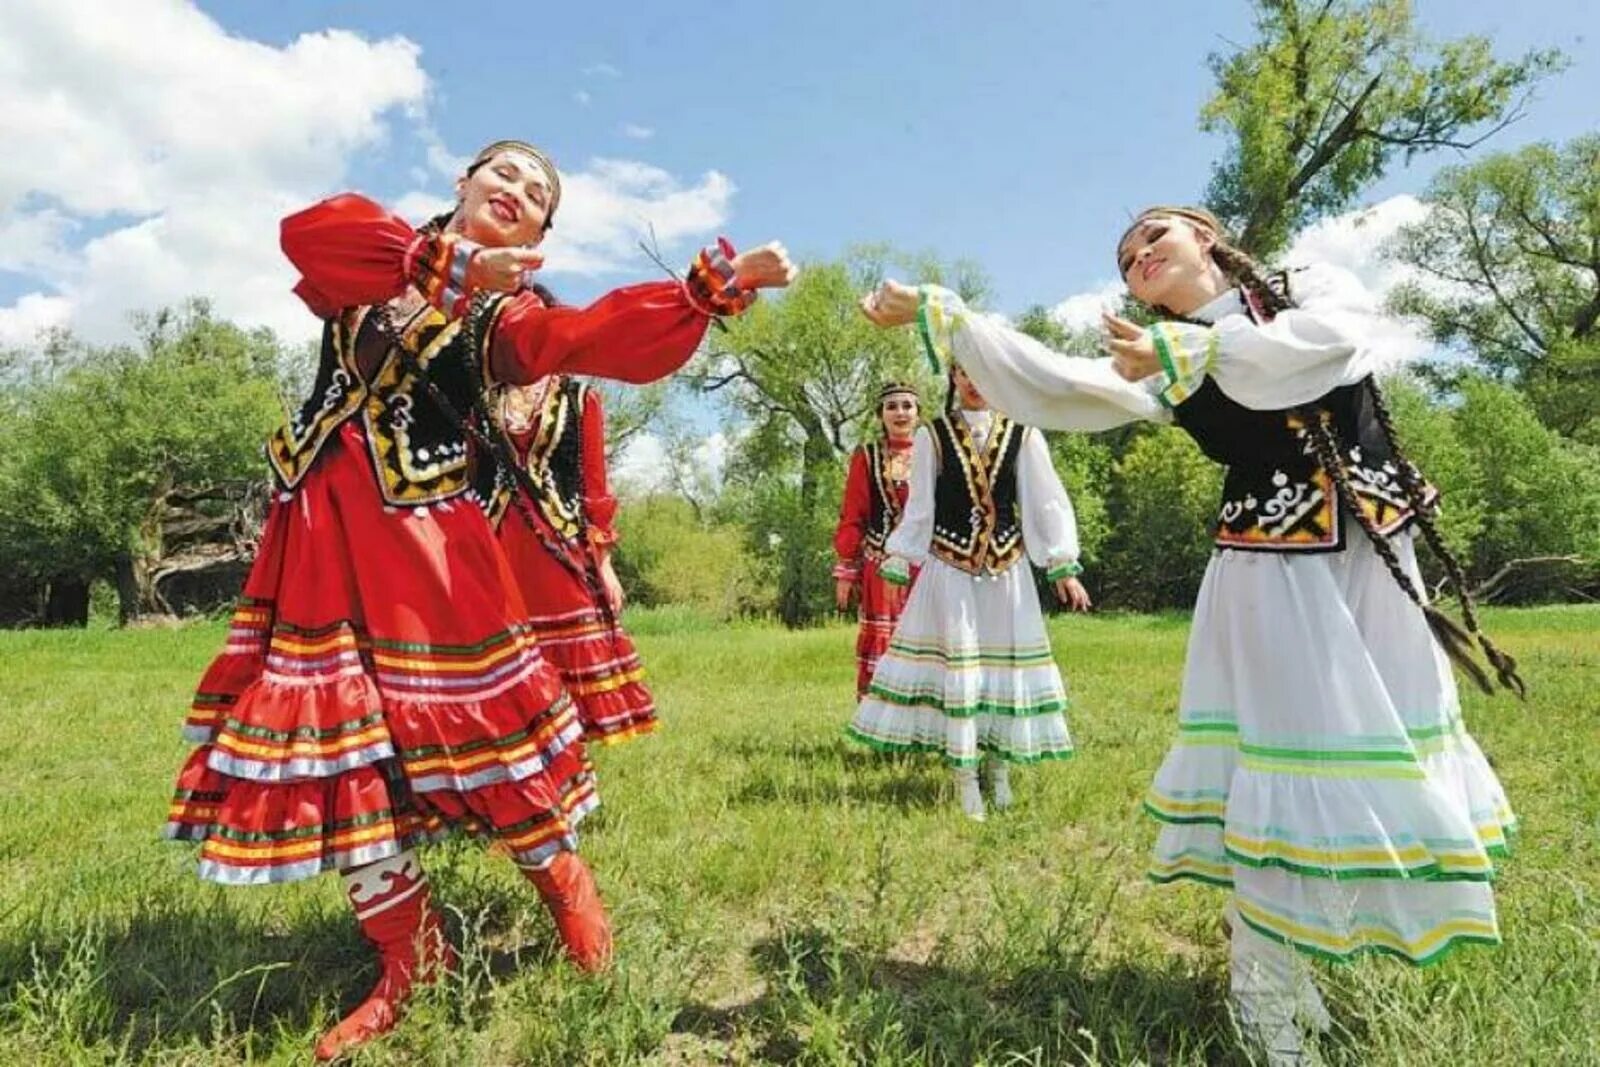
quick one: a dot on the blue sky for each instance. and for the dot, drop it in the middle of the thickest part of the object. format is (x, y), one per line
(1020, 141)
(153, 147)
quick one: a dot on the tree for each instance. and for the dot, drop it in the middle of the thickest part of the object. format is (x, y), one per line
(1318, 107)
(98, 444)
(1508, 261)
(803, 370)
(1162, 502)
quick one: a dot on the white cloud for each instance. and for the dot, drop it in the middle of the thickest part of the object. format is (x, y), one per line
(190, 142)
(418, 206)
(1081, 311)
(607, 207)
(644, 466)
(150, 156)
(1353, 241)
(637, 132)
(602, 70)
(582, 98)
(24, 321)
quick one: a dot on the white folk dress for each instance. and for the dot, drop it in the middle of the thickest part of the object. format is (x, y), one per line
(969, 668)
(1321, 768)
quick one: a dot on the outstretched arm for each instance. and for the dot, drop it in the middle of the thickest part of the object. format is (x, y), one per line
(1016, 374)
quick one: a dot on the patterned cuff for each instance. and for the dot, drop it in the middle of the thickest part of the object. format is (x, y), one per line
(1070, 568)
(710, 285)
(896, 571)
(436, 263)
(939, 312)
(1187, 354)
(846, 571)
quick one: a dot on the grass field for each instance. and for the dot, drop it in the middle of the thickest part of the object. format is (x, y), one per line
(780, 896)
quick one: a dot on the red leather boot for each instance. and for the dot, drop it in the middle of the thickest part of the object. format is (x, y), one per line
(391, 902)
(569, 892)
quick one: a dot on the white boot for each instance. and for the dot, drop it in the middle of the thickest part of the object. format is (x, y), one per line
(1273, 990)
(1308, 1000)
(999, 781)
(967, 791)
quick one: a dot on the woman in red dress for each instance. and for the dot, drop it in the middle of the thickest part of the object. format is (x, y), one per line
(380, 684)
(556, 427)
(874, 496)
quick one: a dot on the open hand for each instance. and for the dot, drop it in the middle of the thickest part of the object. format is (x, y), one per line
(1133, 350)
(501, 269)
(1071, 592)
(891, 304)
(767, 267)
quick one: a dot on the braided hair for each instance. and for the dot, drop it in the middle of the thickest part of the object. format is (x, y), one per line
(1269, 295)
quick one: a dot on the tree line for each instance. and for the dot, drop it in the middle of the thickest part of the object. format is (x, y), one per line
(133, 472)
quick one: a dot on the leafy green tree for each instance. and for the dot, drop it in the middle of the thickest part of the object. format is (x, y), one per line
(1542, 492)
(1509, 261)
(803, 370)
(1162, 501)
(1331, 91)
(98, 442)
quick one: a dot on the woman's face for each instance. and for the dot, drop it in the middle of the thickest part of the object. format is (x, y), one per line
(1165, 257)
(505, 201)
(899, 412)
(968, 393)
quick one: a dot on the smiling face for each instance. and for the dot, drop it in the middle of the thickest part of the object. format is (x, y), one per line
(505, 200)
(1166, 261)
(899, 413)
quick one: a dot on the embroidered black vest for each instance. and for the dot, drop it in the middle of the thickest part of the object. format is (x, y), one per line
(554, 462)
(883, 494)
(976, 524)
(1275, 495)
(419, 455)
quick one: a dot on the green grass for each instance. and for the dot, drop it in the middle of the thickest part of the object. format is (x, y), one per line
(780, 896)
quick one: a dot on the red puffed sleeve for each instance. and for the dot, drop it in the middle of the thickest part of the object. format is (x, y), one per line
(349, 251)
(635, 334)
(599, 506)
(854, 514)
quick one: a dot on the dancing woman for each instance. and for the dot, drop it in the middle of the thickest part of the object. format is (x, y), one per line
(556, 429)
(1322, 772)
(968, 672)
(380, 683)
(874, 498)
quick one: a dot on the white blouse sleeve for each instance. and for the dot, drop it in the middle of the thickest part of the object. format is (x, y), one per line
(1026, 380)
(908, 544)
(1049, 526)
(1322, 343)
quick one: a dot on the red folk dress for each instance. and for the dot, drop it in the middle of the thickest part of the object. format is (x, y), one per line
(874, 498)
(381, 683)
(563, 448)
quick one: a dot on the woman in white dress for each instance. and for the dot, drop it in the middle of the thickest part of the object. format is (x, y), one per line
(968, 672)
(1321, 770)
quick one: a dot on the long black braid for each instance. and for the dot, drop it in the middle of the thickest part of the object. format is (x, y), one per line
(1271, 295)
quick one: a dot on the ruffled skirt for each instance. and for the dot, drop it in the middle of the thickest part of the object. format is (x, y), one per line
(967, 671)
(380, 686)
(1322, 769)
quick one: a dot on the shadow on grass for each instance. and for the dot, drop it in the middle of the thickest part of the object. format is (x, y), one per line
(182, 972)
(823, 997)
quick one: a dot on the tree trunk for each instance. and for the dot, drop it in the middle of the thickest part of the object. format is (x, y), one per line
(68, 602)
(795, 597)
(132, 595)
